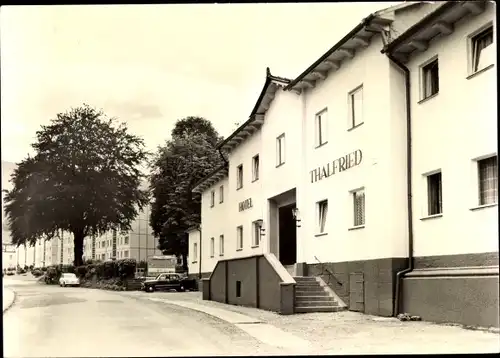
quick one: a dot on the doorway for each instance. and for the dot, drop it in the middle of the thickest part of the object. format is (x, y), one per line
(287, 235)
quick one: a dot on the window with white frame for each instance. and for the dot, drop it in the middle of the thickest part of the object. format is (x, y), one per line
(430, 79)
(126, 240)
(483, 51)
(212, 247)
(212, 198)
(321, 128)
(358, 197)
(322, 210)
(356, 107)
(255, 233)
(221, 245)
(195, 251)
(488, 180)
(434, 194)
(239, 176)
(125, 253)
(280, 150)
(221, 194)
(255, 168)
(239, 238)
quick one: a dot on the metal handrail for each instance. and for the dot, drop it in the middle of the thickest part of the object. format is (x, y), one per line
(330, 273)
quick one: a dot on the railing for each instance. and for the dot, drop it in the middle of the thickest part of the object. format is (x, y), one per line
(329, 273)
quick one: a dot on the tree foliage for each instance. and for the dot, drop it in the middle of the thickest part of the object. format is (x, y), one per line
(186, 158)
(84, 178)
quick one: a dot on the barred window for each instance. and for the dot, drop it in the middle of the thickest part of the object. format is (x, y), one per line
(488, 180)
(434, 194)
(359, 207)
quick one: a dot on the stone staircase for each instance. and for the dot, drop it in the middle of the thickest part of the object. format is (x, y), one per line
(310, 296)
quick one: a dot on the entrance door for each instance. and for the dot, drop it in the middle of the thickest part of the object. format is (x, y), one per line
(287, 235)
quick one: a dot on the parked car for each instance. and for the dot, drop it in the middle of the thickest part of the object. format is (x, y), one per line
(167, 282)
(69, 279)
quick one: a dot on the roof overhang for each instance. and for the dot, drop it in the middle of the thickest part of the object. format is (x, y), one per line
(357, 39)
(256, 120)
(212, 178)
(438, 23)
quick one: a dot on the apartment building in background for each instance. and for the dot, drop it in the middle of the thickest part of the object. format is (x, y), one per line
(374, 171)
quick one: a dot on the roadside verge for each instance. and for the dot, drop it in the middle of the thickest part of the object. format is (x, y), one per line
(8, 298)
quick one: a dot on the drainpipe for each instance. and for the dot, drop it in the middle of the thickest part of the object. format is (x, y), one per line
(400, 274)
(199, 259)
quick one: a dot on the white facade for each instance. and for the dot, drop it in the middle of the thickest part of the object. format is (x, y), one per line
(9, 257)
(450, 131)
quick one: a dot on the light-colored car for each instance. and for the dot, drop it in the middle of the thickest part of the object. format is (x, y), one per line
(69, 279)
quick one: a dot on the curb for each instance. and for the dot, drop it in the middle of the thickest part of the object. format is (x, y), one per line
(11, 302)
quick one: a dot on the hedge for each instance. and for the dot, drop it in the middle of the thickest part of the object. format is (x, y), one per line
(119, 269)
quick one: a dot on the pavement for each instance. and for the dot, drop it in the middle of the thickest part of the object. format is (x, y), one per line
(111, 323)
(8, 297)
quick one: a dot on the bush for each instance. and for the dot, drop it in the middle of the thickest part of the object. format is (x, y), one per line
(44, 269)
(81, 271)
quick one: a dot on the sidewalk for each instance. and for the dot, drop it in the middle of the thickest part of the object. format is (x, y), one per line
(347, 332)
(8, 298)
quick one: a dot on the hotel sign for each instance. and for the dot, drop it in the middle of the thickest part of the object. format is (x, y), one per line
(336, 166)
(245, 204)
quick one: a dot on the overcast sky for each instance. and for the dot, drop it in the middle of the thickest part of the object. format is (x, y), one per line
(150, 65)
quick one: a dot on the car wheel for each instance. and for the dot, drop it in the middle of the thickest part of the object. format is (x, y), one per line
(181, 289)
(150, 289)
(63, 284)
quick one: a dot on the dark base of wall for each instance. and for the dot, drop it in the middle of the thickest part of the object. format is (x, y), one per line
(468, 300)
(195, 276)
(366, 286)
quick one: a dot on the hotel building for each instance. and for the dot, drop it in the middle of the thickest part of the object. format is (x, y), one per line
(373, 174)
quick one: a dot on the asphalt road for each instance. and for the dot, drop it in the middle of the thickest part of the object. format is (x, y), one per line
(50, 321)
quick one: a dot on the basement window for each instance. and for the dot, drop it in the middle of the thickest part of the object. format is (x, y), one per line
(430, 79)
(238, 288)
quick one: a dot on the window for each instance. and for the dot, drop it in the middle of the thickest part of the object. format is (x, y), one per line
(212, 247)
(125, 253)
(221, 245)
(238, 288)
(126, 240)
(255, 168)
(483, 54)
(212, 198)
(320, 128)
(488, 180)
(359, 207)
(239, 238)
(356, 107)
(434, 194)
(221, 194)
(255, 234)
(239, 176)
(103, 256)
(322, 214)
(280, 150)
(430, 79)
(195, 252)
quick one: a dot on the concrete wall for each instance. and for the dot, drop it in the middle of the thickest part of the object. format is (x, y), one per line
(450, 130)
(261, 284)
(381, 171)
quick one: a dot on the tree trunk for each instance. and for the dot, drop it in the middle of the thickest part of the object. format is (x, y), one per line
(78, 248)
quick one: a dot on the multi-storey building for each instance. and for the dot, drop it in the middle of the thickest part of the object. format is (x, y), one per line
(348, 172)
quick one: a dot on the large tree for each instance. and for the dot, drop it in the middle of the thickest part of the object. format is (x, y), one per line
(84, 178)
(185, 159)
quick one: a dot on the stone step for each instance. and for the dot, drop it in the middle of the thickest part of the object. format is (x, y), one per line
(308, 309)
(304, 278)
(307, 283)
(314, 298)
(311, 293)
(309, 289)
(315, 303)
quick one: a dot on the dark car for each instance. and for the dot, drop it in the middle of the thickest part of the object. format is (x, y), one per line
(167, 282)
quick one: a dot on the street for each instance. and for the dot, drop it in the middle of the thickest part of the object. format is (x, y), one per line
(50, 321)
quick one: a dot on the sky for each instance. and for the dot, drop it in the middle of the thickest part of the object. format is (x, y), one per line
(150, 65)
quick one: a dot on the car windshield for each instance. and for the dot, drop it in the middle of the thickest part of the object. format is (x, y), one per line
(69, 275)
